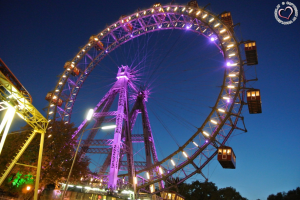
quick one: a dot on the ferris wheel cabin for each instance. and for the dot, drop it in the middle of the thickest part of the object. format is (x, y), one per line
(227, 19)
(193, 3)
(251, 52)
(53, 100)
(74, 70)
(127, 26)
(254, 101)
(226, 157)
(161, 17)
(99, 44)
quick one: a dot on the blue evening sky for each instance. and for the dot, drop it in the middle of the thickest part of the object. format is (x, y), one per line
(38, 37)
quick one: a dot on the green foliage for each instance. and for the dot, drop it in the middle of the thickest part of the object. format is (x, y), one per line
(16, 183)
(20, 180)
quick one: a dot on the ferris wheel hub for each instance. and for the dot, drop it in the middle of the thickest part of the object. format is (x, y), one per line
(124, 72)
(144, 94)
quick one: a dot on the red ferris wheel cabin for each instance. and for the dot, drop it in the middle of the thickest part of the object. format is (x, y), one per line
(251, 52)
(254, 101)
(226, 157)
(227, 19)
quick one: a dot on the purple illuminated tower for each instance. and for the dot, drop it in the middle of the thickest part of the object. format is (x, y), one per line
(121, 144)
(122, 114)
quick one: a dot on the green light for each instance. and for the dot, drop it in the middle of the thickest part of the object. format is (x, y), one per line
(21, 179)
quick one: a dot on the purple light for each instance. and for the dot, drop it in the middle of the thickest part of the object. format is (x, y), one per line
(131, 35)
(188, 27)
(106, 51)
(159, 26)
(212, 39)
(228, 64)
(206, 141)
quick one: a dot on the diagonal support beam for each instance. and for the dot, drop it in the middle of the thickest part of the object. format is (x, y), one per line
(98, 107)
(98, 123)
(105, 165)
(6, 122)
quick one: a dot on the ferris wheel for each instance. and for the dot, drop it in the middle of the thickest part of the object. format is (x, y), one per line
(128, 58)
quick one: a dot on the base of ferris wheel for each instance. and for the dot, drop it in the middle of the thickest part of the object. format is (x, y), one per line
(108, 195)
(104, 194)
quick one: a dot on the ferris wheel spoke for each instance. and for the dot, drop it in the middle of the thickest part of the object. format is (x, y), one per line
(181, 99)
(159, 64)
(178, 104)
(165, 127)
(179, 119)
(179, 74)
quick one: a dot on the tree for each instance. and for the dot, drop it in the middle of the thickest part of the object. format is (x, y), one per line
(293, 194)
(59, 149)
(290, 195)
(203, 190)
(206, 191)
(229, 193)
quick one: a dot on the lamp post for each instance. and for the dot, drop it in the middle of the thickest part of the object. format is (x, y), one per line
(88, 117)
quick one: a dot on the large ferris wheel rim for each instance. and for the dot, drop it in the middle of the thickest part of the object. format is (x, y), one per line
(100, 35)
(168, 10)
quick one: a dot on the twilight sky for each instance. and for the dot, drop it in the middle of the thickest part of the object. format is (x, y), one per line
(38, 37)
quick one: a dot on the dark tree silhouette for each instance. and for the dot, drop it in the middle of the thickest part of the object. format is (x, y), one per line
(203, 190)
(290, 195)
(229, 193)
(207, 191)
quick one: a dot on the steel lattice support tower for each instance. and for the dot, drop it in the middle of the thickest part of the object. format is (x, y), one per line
(121, 144)
(122, 113)
(150, 150)
(122, 129)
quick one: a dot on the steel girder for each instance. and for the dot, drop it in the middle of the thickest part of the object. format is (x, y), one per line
(138, 165)
(100, 142)
(99, 150)
(136, 138)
